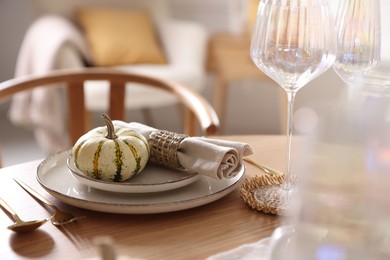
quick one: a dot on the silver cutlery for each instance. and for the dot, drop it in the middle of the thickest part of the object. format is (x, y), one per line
(59, 217)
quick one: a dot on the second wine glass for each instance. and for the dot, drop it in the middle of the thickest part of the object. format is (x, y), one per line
(358, 26)
(293, 42)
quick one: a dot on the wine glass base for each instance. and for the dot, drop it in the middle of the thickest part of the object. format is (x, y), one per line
(275, 199)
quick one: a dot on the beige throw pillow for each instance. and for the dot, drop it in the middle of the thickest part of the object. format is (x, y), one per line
(119, 37)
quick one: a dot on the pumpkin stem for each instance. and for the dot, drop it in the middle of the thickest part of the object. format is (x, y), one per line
(110, 127)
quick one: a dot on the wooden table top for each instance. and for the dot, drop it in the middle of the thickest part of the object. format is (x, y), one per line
(189, 234)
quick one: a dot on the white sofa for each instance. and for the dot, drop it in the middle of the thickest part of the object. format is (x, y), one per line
(54, 42)
(184, 43)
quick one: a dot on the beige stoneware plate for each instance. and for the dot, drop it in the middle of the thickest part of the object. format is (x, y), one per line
(54, 176)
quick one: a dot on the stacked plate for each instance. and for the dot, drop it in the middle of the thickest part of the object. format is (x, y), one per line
(151, 179)
(155, 190)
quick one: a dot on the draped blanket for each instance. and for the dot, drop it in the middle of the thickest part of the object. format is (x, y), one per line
(42, 109)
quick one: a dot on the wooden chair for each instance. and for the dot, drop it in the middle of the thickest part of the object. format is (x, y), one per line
(197, 111)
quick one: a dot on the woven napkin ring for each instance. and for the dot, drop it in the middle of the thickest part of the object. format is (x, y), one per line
(163, 148)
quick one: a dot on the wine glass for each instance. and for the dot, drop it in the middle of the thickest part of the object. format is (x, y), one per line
(358, 39)
(293, 42)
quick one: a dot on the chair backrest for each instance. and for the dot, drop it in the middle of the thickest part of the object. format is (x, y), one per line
(198, 113)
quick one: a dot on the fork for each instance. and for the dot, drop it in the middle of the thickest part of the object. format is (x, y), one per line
(264, 168)
(59, 217)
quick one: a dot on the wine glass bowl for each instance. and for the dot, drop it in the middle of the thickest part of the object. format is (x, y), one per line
(293, 42)
(358, 38)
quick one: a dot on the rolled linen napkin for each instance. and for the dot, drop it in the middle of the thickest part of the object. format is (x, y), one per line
(215, 158)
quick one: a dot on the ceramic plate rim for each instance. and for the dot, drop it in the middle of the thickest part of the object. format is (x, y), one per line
(127, 186)
(146, 208)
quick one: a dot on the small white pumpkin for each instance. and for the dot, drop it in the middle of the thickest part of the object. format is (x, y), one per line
(111, 153)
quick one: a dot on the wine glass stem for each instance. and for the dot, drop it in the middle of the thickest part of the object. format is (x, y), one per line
(290, 108)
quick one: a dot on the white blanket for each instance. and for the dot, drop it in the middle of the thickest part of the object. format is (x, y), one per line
(42, 108)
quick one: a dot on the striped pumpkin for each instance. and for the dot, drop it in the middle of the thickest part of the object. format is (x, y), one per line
(111, 153)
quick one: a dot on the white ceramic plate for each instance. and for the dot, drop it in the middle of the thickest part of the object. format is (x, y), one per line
(54, 176)
(151, 179)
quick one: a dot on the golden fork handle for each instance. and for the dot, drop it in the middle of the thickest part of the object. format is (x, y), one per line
(59, 217)
(264, 168)
(35, 194)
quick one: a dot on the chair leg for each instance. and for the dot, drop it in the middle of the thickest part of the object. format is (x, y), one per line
(220, 96)
(189, 122)
(147, 115)
(88, 120)
(75, 105)
(117, 101)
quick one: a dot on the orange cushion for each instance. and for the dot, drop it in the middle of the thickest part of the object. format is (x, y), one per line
(119, 37)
